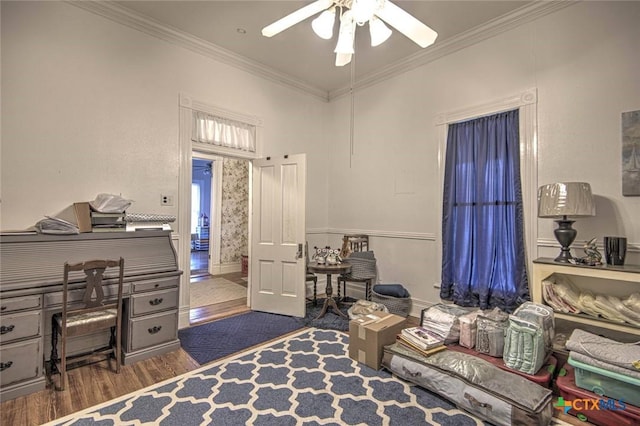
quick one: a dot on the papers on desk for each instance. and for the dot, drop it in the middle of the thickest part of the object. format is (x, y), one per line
(55, 225)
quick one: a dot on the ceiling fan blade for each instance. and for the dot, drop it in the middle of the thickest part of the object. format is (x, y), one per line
(296, 17)
(406, 24)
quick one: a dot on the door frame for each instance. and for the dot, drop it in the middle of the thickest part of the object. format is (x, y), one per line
(215, 215)
(186, 148)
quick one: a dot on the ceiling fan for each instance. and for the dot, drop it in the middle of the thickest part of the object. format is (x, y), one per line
(355, 13)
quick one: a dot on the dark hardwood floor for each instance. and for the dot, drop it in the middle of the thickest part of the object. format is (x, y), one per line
(96, 383)
(90, 385)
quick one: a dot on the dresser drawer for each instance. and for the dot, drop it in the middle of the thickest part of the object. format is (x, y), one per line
(20, 361)
(156, 284)
(156, 301)
(152, 330)
(19, 325)
(13, 304)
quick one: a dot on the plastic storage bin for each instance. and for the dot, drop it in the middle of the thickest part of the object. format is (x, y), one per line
(629, 416)
(606, 383)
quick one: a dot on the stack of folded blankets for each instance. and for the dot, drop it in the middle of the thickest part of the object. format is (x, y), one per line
(605, 366)
(443, 320)
(563, 296)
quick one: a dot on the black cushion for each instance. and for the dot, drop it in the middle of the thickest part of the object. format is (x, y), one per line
(393, 290)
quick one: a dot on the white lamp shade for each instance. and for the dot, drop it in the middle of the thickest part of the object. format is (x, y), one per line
(379, 32)
(572, 199)
(323, 24)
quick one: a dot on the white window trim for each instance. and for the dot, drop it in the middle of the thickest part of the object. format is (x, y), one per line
(187, 102)
(526, 102)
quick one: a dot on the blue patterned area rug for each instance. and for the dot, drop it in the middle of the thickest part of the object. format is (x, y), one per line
(330, 321)
(305, 378)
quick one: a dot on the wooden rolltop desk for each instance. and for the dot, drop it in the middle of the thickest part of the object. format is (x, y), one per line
(31, 271)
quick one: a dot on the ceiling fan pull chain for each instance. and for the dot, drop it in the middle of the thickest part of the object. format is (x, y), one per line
(352, 112)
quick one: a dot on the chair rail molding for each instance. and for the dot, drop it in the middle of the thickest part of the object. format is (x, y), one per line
(373, 233)
(552, 242)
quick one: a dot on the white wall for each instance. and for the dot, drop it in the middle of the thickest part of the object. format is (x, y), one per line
(584, 62)
(91, 106)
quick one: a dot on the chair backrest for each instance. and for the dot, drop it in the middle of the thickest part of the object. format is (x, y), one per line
(352, 243)
(93, 298)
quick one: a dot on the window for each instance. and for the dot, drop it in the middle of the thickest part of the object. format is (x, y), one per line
(483, 244)
(214, 130)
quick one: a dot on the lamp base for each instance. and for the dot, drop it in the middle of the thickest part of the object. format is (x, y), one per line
(565, 235)
(564, 256)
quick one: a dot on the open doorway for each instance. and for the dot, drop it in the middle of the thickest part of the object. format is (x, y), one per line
(219, 236)
(201, 189)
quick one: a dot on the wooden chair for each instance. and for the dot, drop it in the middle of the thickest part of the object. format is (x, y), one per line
(354, 243)
(94, 312)
(355, 250)
(310, 276)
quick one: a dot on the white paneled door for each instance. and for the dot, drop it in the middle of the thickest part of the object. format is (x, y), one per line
(277, 271)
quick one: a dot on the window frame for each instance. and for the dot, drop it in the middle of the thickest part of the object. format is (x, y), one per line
(526, 103)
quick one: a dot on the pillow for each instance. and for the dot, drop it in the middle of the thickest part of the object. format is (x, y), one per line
(394, 290)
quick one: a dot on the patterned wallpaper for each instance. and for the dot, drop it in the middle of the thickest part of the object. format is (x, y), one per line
(235, 210)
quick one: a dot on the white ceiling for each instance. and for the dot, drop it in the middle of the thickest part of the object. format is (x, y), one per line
(297, 52)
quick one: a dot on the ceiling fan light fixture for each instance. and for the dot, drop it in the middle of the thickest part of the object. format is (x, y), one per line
(379, 32)
(343, 59)
(323, 24)
(346, 37)
(363, 10)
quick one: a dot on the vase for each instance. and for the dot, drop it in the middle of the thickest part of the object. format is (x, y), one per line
(615, 249)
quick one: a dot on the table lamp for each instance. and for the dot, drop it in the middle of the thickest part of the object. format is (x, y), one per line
(565, 200)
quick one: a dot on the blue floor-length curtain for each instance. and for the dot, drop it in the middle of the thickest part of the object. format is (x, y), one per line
(483, 251)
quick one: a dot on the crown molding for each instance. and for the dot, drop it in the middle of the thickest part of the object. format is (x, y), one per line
(468, 38)
(125, 16)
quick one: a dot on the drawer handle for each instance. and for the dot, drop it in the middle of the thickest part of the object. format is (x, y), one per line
(3, 308)
(155, 329)
(5, 365)
(157, 285)
(155, 301)
(7, 329)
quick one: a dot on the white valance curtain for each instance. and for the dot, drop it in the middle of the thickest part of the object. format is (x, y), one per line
(214, 130)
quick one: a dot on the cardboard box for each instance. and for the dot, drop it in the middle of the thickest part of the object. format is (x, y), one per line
(370, 334)
(77, 214)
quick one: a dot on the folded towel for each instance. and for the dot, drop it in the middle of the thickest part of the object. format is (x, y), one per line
(625, 355)
(586, 359)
